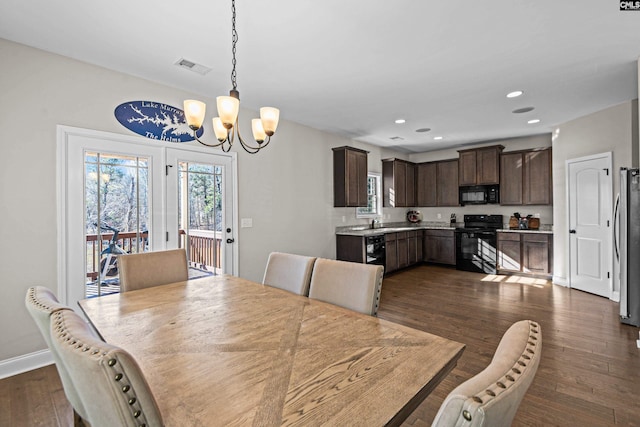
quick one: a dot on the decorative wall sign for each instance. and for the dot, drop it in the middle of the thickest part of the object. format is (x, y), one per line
(155, 120)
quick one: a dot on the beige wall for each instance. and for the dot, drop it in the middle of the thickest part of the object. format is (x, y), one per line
(286, 190)
(609, 130)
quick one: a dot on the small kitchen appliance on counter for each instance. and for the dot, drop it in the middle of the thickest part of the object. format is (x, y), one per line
(414, 216)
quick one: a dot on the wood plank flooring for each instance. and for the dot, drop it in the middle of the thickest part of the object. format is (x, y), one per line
(589, 374)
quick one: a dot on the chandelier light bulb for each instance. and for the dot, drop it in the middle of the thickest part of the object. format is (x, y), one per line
(270, 117)
(194, 113)
(228, 107)
(219, 129)
(259, 133)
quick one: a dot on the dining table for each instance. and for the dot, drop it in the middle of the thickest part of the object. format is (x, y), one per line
(226, 351)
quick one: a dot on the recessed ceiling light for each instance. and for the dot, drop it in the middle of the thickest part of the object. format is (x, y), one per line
(400, 121)
(533, 121)
(514, 94)
(522, 110)
(437, 138)
(423, 130)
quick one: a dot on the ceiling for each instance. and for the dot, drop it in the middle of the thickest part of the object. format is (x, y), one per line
(353, 67)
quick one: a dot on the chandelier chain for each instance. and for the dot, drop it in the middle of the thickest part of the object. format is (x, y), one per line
(234, 40)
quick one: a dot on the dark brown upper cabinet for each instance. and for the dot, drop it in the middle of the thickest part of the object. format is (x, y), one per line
(447, 182)
(399, 183)
(349, 177)
(426, 184)
(479, 166)
(525, 177)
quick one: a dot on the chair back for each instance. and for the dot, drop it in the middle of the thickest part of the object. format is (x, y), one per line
(112, 387)
(41, 304)
(348, 284)
(144, 270)
(289, 272)
(492, 397)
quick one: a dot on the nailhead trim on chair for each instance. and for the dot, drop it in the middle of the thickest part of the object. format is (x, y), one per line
(37, 302)
(512, 375)
(127, 390)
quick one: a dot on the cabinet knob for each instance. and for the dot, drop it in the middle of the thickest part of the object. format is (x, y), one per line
(572, 231)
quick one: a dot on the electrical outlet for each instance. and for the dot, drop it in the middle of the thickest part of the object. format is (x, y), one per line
(439, 216)
(536, 215)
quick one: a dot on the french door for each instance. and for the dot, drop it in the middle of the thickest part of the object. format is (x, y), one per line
(121, 195)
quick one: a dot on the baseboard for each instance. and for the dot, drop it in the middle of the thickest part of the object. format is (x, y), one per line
(615, 296)
(562, 281)
(24, 363)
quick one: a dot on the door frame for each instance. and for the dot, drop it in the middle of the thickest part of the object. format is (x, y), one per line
(608, 156)
(64, 133)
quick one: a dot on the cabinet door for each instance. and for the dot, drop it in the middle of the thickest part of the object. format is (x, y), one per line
(447, 248)
(412, 249)
(349, 177)
(509, 253)
(403, 250)
(400, 181)
(361, 166)
(427, 184)
(447, 180)
(391, 253)
(350, 248)
(419, 244)
(430, 248)
(440, 247)
(488, 166)
(537, 178)
(410, 185)
(511, 176)
(467, 168)
(535, 253)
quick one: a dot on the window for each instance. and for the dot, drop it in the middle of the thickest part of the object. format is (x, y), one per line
(374, 197)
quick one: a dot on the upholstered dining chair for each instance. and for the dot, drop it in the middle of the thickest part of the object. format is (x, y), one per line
(289, 272)
(109, 381)
(492, 397)
(348, 284)
(143, 270)
(41, 304)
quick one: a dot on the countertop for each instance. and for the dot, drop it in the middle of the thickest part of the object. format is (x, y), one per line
(394, 228)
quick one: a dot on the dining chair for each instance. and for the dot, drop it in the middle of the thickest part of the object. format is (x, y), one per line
(289, 272)
(143, 270)
(492, 397)
(109, 381)
(348, 284)
(41, 304)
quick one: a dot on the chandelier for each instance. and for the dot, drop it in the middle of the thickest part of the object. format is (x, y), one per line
(225, 126)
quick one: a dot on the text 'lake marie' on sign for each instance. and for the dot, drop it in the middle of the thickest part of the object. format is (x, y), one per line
(155, 120)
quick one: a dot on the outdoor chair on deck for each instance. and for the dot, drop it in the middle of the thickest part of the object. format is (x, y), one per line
(41, 304)
(109, 381)
(144, 270)
(492, 397)
(289, 272)
(348, 284)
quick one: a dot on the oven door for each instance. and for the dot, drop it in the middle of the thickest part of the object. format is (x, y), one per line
(476, 251)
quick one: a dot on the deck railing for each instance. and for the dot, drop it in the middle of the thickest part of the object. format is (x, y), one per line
(203, 248)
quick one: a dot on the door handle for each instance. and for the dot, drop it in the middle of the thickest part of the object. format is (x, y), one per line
(230, 240)
(572, 231)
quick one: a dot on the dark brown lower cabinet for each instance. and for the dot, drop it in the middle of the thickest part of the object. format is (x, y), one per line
(402, 249)
(440, 246)
(391, 252)
(525, 252)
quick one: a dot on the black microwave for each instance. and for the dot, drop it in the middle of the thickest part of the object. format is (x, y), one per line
(479, 195)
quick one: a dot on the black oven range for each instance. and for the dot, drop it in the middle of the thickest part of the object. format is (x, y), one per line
(476, 243)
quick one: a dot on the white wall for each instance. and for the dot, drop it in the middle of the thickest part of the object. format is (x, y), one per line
(607, 130)
(286, 190)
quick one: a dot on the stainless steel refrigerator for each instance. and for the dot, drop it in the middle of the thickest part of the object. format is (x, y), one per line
(628, 245)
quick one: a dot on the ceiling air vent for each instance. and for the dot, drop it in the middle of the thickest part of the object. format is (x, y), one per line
(192, 66)
(396, 138)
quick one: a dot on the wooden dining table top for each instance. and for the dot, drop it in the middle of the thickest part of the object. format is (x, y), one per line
(226, 351)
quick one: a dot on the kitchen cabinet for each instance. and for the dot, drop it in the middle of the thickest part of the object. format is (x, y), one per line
(349, 177)
(402, 249)
(525, 177)
(391, 252)
(426, 184)
(479, 166)
(350, 248)
(447, 182)
(525, 252)
(440, 246)
(398, 181)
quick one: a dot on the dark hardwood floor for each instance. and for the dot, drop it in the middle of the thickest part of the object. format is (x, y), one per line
(589, 374)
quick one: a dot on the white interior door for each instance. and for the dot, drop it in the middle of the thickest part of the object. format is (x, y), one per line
(200, 208)
(590, 222)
